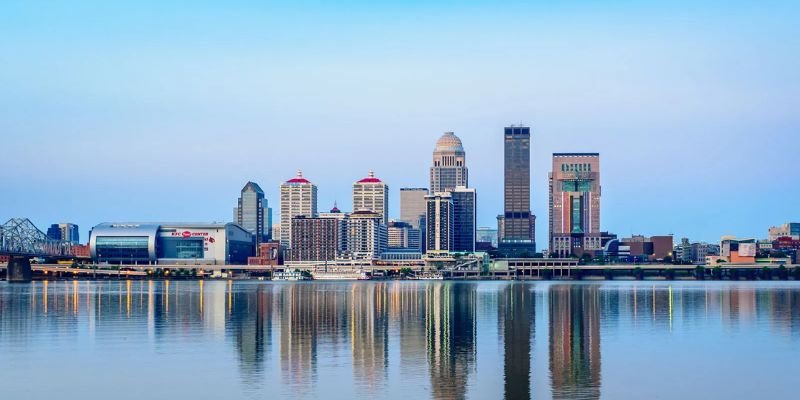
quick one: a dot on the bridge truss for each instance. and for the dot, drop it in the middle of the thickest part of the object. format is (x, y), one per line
(20, 237)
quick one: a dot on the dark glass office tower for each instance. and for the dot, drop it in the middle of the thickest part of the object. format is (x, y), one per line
(516, 225)
(250, 212)
(464, 219)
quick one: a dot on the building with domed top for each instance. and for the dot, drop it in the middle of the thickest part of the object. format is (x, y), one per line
(449, 174)
(449, 168)
(298, 198)
(371, 194)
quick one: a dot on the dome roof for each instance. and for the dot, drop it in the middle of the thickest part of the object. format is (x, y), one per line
(449, 142)
(370, 178)
(299, 178)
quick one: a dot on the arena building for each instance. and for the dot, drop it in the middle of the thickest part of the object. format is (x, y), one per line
(162, 243)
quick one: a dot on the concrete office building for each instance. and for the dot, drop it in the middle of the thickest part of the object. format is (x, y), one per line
(694, 253)
(464, 219)
(298, 197)
(574, 203)
(65, 232)
(516, 224)
(170, 243)
(250, 212)
(314, 239)
(338, 215)
(790, 230)
(412, 205)
(403, 235)
(371, 194)
(649, 249)
(367, 236)
(413, 210)
(449, 173)
(449, 164)
(439, 233)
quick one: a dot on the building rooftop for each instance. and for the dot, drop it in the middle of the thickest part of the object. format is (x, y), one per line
(252, 186)
(298, 178)
(576, 154)
(370, 178)
(449, 142)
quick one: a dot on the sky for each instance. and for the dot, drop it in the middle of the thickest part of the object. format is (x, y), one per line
(163, 110)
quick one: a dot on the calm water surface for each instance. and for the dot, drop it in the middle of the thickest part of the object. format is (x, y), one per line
(406, 340)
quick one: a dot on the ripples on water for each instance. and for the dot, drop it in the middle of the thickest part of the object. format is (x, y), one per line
(442, 340)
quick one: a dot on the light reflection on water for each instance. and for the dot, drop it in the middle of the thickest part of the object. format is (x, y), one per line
(442, 340)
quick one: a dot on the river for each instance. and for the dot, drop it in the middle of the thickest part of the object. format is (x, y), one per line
(399, 340)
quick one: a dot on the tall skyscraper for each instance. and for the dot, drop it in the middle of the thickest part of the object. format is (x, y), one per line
(516, 225)
(66, 232)
(298, 197)
(449, 173)
(574, 186)
(412, 205)
(464, 218)
(439, 223)
(250, 212)
(371, 194)
(449, 164)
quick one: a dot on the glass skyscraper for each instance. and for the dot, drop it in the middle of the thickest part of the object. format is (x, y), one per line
(251, 211)
(464, 219)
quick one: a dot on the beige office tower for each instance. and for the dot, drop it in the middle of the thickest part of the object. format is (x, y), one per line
(298, 198)
(412, 205)
(449, 168)
(575, 204)
(371, 194)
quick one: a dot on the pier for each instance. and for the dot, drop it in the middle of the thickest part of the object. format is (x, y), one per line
(521, 269)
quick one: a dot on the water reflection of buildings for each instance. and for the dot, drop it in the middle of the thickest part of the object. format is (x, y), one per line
(369, 335)
(517, 314)
(250, 326)
(334, 327)
(450, 332)
(575, 341)
(299, 305)
(407, 308)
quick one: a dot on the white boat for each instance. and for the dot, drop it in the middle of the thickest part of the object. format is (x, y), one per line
(341, 276)
(435, 276)
(288, 276)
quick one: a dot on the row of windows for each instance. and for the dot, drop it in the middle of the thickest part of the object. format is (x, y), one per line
(576, 186)
(576, 167)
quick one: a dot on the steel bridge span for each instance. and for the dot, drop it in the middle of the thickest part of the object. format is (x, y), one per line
(21, 240)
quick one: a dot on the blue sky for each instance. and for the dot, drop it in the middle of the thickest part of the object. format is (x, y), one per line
(153, 110)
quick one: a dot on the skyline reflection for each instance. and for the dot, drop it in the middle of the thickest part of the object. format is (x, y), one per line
(402, 339)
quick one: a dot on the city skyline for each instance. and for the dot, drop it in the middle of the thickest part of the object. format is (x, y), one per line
(394, 214)
(664, 92)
